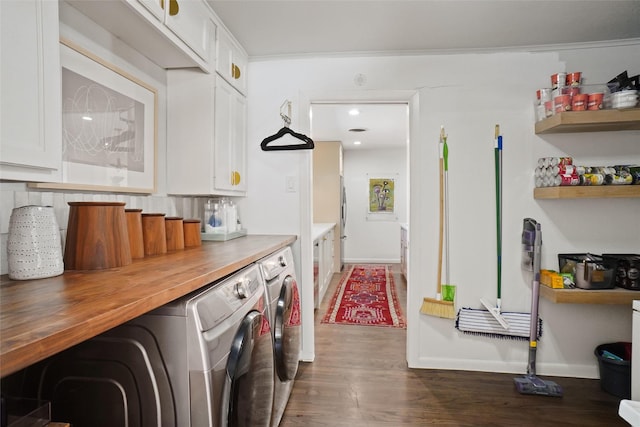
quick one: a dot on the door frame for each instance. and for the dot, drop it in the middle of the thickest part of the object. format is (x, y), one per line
(306, 99)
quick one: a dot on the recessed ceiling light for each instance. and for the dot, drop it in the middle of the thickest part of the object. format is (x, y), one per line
(354, 112)
(357, 142)
(87, 118)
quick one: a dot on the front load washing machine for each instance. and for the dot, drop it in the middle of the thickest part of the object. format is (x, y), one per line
(204, 360)
(217, 345)
(284, 312)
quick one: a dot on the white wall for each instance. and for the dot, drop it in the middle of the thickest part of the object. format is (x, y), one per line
(374, 238)
(468, 94)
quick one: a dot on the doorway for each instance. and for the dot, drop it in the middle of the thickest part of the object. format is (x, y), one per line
(373, 140)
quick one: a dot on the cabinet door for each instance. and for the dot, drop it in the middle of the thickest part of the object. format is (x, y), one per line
(229, 138)
(192, 22)
(30, 120)
(231, 61)
(156, 7)
(190, 131)
(328, 257)
(403, 252)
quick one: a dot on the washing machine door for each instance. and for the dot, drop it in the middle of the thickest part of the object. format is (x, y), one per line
(249, 382)
(287, 330)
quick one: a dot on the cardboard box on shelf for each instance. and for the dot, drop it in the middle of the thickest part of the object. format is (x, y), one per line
(552, 279)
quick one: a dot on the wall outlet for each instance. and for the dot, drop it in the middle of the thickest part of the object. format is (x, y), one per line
(291, 184)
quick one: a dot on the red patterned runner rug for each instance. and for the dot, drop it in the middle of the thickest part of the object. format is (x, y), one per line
(366, 296)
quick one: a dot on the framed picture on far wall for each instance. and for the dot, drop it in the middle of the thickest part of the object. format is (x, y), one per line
(381, 195)
(109, 121)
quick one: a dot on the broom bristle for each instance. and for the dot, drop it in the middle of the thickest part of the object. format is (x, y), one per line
(439, 308)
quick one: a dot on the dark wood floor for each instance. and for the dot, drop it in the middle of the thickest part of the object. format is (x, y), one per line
(360, 378)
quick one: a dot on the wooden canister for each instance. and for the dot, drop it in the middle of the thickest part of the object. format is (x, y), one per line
(97, 236)
(154, 234)
(192, 233)
(134, 226)
(175, 233)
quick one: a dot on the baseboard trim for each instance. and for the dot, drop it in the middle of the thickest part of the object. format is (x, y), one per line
(542, 369)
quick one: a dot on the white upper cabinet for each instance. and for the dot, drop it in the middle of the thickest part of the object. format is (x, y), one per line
(192, 22)
(30, 119)
(230, 138)
(231, 61)
(171, 33)
(206, 135)
(156, 7)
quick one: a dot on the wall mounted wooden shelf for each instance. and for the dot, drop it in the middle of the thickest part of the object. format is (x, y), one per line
(584, 296)
(587, 192)
(590, 121)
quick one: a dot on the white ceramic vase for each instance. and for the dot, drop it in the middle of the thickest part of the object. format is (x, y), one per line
(34, 246)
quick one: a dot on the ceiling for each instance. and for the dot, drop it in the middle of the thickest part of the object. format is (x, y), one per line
(376, 126)
(310, 27)
(294, 28)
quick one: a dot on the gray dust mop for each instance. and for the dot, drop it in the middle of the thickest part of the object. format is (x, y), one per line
(530, 383)
(493, 321)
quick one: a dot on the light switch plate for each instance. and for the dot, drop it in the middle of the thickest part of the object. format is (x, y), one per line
(291, 184)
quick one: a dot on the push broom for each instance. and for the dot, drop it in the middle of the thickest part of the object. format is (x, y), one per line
(440, 306)
(492, 321)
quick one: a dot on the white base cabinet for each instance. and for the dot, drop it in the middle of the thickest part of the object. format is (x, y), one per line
(30, 120)
(404, 249)
(324, 254)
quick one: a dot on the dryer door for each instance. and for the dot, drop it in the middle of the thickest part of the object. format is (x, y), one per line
(287, 330)
(249, 382)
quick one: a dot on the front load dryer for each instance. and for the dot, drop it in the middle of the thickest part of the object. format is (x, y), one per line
(284, 312)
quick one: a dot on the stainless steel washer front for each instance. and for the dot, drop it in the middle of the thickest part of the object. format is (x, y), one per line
(284, 312)
(217, 345)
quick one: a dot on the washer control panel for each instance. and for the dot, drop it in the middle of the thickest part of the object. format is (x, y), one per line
(228, 296)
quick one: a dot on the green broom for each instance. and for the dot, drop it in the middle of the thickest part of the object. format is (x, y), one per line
(438, 306)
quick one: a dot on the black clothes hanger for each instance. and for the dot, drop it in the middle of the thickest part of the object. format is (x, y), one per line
(308, 142)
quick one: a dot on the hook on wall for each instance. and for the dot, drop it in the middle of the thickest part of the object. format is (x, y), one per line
(286, 117)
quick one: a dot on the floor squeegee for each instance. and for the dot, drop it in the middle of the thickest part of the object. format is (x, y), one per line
(531, 251)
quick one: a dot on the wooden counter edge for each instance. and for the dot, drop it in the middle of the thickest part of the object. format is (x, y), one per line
(21, 356)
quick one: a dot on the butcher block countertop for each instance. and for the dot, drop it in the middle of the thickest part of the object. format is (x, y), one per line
(40, 318)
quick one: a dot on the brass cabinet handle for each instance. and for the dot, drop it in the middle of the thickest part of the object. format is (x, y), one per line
(235, 71)
(235, 178)
(174, 7)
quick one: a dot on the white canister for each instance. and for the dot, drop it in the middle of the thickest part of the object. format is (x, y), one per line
(34, 249)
